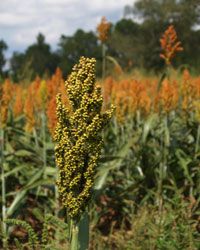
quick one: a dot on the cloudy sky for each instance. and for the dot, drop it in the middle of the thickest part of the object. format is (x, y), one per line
(21, 21)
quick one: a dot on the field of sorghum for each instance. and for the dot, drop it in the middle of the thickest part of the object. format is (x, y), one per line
(148, 176)
(147, 183)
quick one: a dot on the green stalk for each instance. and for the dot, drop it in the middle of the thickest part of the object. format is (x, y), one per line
(44, 140)
(168, 71)
(138, 118)
(104, 60)
(44, 152)
(35, 137)
(3, 189)
(79, 233)
(84, 232)
(160, 188)
(163, 164)
(197, 141)
(74, 231)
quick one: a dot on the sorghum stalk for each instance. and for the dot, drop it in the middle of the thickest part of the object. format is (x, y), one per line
(163, 165)
(74, 236)
(103, 31)
(35, 138)
(5, 98)
(3, 189)
(44, 139)
(42, 98)
(104, 60)
(197, 141)
(79, 141)
(44, 153)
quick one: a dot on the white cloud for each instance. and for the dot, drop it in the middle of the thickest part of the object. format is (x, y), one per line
(21, 21)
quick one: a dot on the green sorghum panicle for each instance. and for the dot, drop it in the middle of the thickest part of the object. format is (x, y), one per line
(78, 137)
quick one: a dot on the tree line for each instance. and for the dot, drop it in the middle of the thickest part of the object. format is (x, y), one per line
(132, 44)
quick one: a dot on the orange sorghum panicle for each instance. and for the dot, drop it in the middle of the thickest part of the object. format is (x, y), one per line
(103, 30)
(189, 91)
(167, 98)
(18, 101)
(41, 95)
(5, 101)
(54, 83)
(51, 115)
(29, 109)
(170, 44)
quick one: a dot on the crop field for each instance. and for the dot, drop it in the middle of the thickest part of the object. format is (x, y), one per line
(147, 180)
(104, 153)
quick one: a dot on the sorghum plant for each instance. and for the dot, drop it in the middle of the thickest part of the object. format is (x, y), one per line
(170, 44)
(103, 31)
(78, 140)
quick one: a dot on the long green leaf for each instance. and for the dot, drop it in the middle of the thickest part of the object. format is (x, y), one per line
(18, 200)
(148, 126)
(115, 164)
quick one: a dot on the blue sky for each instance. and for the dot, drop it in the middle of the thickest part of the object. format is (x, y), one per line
(22, 20)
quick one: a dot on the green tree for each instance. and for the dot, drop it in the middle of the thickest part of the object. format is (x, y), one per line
(123, 42)
(3, 47)
(40, 57)
(17, 66)
(71, 48)
(184, 12)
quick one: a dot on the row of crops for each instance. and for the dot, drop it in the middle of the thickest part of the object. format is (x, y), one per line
(147, 180)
